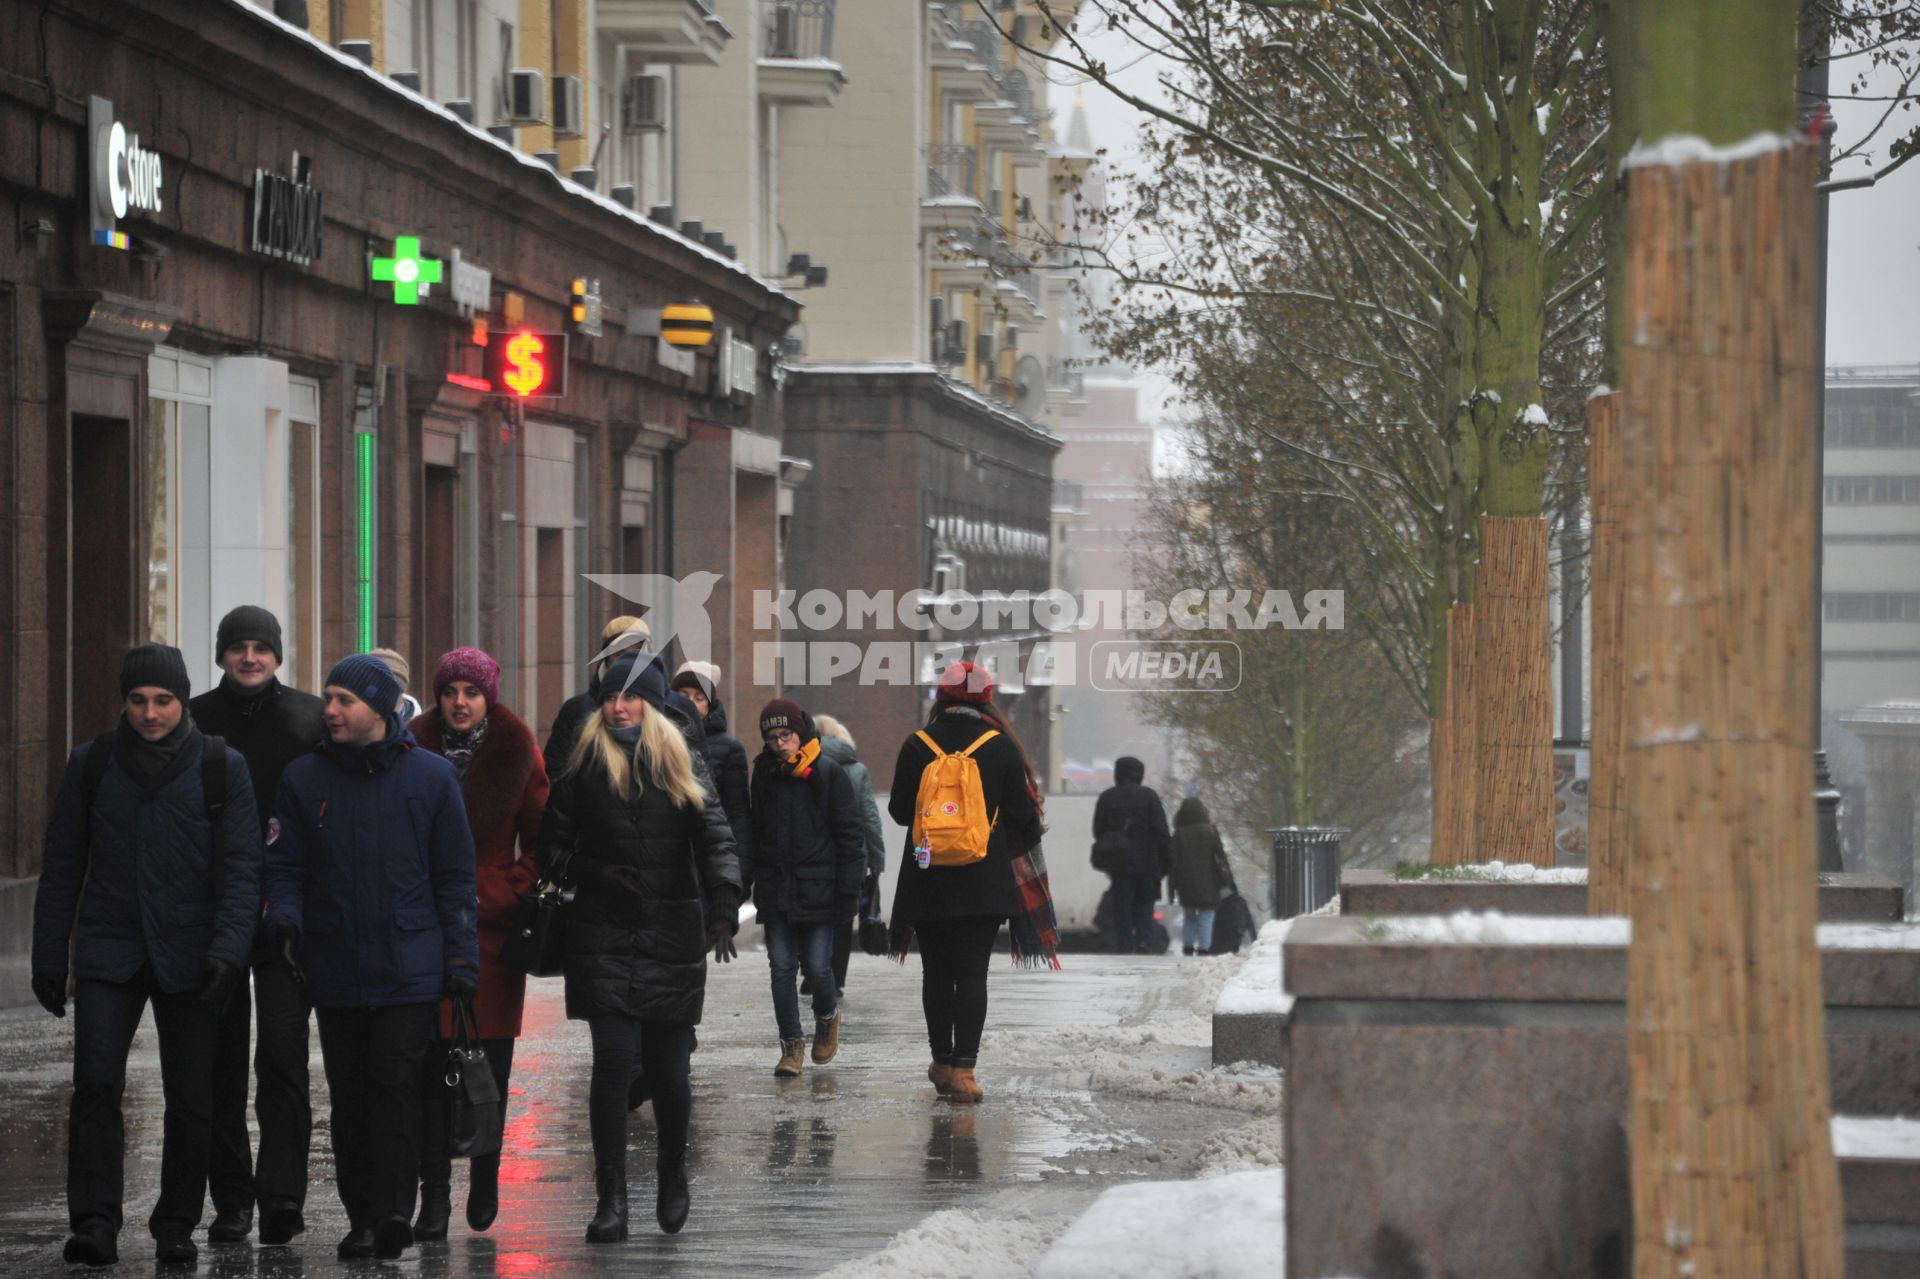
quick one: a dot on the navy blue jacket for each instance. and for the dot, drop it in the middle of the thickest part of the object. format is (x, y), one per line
(809, 847)
(144, 889)
(370, 857)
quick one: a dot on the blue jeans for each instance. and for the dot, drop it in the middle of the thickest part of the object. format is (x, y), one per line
(1196, 930)
(792, 947)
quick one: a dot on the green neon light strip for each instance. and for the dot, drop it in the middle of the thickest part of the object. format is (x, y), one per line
(363, 445)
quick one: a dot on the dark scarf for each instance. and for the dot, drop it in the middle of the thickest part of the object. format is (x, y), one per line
(459, 747)
(251, 702)
(150, 759)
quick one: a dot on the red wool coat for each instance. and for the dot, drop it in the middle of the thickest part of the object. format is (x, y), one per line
(505, 789)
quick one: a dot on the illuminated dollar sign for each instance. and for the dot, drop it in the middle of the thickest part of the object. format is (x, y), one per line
(524, 373)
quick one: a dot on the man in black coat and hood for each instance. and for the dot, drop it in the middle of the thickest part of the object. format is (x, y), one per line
(1132, 813)
(271, 725)
(699, 683)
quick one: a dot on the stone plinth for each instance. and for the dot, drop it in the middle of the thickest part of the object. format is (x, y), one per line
(1460, 1107)
(1859, 898)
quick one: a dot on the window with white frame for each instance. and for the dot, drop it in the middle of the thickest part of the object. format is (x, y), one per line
(177, 502)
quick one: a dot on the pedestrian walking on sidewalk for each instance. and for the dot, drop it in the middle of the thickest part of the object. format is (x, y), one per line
(408, 705)
(837, 744)
(271, 725)
(621, 632)
(151, 881)
(1132, 845)
(370, 877)
(1200, 874)
(954, 910)
(809, 855)
(503, 785)
(699, 683)
(631, 824)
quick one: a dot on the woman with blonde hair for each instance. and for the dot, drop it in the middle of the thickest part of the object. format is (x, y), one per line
(633, 826)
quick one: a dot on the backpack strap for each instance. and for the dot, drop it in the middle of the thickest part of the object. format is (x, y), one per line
(933, 745)
(99, 755)
(980, 741)
(213, 794)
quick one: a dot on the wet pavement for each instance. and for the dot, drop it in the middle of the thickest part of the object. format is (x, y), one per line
(1095, 1076)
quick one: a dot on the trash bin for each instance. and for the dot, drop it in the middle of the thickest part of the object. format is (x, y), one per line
(1306, 868)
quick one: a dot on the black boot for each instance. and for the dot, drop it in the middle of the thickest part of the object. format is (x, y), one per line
(93, 1243)
(483, 1191)
(174, 1246)
(231, 1225)
(609, 1224)
(673, 1202)
(436, 1204)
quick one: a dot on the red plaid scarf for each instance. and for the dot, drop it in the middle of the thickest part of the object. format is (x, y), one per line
(1034, 932)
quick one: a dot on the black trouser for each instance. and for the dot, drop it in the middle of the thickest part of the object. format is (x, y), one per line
(622, 1047)
(373, 1058)
(436, 1164)
(282, 1103)
(1133, 899)
(230, 1163)
(105, 1016)
(842, 950)
(954, 954)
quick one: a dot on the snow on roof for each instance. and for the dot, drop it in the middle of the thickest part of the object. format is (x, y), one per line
(1491, 928)
(957, 389)
(422, 103)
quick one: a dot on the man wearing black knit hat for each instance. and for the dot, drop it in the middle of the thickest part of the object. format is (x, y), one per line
(151, 880)
(271, 725)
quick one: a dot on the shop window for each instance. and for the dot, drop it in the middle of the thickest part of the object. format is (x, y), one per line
(177, 505)
(301, 627)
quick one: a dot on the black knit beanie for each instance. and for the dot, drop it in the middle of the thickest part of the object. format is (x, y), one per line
(248, 622)
(155, 666)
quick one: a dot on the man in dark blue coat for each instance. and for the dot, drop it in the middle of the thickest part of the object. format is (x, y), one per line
(809, 858)
(157, 905)
(370, 876)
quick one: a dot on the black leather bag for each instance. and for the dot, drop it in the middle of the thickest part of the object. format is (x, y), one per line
(537, 943)
(474, 1111)
(874, 933)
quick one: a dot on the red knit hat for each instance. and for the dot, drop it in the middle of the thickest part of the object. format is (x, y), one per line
(966, 684)
(472, 666)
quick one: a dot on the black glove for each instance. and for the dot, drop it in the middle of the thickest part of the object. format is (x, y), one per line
(286, 947)
(460, 988)
(52, 994)
(216, 986)
(723, 921)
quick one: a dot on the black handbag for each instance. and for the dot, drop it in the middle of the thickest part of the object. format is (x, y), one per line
(537, 943)
(875, 936)
(1110, 848)
(474, 1111)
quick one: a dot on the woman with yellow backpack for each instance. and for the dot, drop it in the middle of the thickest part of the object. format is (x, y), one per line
(965, 790)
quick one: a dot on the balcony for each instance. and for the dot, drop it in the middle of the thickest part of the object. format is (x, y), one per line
(682, 31)
(950, 204)
(796, 54)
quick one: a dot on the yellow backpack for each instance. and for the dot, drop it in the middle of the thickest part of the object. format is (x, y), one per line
(950, 822)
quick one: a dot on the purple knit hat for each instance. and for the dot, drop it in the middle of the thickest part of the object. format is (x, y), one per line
(471, 665)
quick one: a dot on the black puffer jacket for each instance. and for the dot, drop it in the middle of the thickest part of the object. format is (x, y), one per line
(985, 887)
(727, 760)
(809, 848)
(637, 933)
(567, 723)
(1136, 809)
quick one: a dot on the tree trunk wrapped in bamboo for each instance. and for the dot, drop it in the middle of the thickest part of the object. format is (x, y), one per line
(1606, 822)
(1514, 690)
(1733, 1170)
(1457, 752)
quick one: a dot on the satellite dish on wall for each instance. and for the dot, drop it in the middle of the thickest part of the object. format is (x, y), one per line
(1029, 386)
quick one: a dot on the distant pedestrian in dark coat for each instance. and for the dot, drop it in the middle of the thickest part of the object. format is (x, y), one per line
(632, 825)
(837, 744)
(370, 872)
(1134, 813)
(1200, 874)
(809, 856)
(954, 913)
(699, 683)
(156, 906)
(271, 725)
(504, 787)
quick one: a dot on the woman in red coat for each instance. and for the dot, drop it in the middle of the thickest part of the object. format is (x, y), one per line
(504, 785)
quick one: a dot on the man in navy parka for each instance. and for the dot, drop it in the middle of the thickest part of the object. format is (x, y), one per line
(370, 870)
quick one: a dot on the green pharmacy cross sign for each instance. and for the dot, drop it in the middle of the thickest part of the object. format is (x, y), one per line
(407, 271)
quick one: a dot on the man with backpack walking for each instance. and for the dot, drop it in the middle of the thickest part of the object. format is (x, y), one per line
(809, 856)
(151, 877)
(271, 725)
(1133, 847)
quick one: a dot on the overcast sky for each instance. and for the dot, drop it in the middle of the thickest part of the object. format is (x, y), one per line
(1873, 294)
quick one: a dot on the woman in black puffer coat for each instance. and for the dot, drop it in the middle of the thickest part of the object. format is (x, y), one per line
(642, 837)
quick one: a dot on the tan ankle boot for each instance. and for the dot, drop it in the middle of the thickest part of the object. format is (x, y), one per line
(793, 1055)
(826, 1039)
(940, 1075)
(963, 1087)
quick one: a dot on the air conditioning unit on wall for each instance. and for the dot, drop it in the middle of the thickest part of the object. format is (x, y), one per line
(569, 107)
(526, 96)
(643, 104)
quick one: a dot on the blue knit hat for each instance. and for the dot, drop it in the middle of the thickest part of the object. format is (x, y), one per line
(369, 679)
(650, 683)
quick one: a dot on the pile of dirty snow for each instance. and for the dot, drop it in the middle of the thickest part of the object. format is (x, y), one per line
(1228, 1227)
